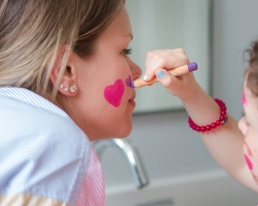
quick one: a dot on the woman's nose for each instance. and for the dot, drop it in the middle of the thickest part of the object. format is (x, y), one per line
(136, 70)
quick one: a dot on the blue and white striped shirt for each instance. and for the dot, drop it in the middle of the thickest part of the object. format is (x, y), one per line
(42, 151)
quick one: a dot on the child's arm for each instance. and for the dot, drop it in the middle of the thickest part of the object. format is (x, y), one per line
(225, 143)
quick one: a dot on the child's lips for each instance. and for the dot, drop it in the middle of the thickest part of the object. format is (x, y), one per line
(255, 179)
(247, 148)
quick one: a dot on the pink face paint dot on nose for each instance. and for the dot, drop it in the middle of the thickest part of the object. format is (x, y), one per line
(249, 163)
(114, 93)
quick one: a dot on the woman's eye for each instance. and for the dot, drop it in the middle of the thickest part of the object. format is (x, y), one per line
(127, 51)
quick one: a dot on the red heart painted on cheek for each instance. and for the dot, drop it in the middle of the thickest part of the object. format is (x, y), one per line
(113, 93)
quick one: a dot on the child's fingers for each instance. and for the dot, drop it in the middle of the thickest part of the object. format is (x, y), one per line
(177, 86)
(166, 59)
(164, 77)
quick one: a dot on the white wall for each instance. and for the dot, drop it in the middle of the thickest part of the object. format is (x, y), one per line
(166, 144)
(163, 24)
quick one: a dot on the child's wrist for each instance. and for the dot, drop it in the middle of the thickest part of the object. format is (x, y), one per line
(218, 122)
(192, 93)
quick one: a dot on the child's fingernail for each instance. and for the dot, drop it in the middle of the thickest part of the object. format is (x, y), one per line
(160, 74)
(145, 76)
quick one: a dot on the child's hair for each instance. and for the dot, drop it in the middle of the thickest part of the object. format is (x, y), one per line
(32, 32)
(251, 72)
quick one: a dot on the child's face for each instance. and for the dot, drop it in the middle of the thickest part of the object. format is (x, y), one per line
(249, 127)
(105, 100)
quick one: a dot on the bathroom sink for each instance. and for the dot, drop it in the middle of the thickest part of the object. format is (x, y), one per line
(214, 188)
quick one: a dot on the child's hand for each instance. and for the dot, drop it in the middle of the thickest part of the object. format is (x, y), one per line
(159, 61)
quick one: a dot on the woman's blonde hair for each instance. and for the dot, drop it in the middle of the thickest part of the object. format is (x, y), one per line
(33, 31)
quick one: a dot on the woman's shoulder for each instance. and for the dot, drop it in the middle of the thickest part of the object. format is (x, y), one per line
(23, 98)
(32, 114)
(43, 151)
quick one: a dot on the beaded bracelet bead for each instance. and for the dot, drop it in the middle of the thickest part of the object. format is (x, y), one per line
(222, 119)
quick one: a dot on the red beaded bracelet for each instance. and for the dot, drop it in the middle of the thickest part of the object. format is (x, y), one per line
(222, 119)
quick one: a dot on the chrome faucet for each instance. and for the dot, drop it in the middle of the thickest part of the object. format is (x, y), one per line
(132, 158)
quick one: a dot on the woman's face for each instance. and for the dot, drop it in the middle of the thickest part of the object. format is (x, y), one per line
(104, 102)
(249, 127)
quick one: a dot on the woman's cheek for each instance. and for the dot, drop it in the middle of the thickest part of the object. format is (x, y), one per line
(113, 93)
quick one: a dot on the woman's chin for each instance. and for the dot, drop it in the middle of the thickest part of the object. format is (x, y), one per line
(123, 132)
(116, 133)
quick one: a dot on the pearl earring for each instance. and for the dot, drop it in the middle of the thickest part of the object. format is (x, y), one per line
(73, 88)
(63, 87)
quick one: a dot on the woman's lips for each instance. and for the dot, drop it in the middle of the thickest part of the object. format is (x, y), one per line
(131, 101)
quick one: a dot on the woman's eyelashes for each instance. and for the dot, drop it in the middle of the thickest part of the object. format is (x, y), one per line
(127, 51)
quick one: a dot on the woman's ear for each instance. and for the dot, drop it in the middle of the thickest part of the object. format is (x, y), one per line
(67, 82)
